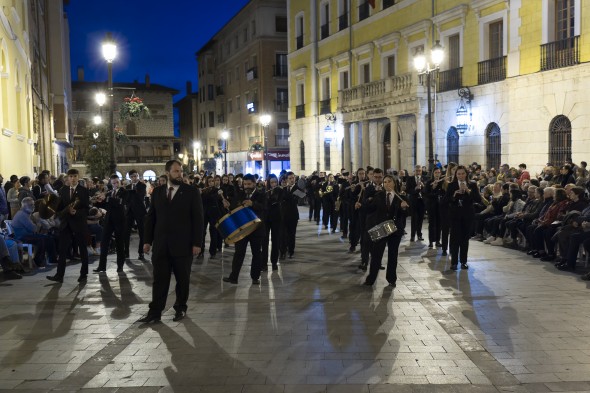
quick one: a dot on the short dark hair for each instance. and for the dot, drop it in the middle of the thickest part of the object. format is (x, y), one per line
(133, 172)
(42, 176)
(24, 180)
(249, 176)
(523, 165)
(13, 178)
(377, 170)
(73, 171)
(370, 168)
(163, 177)
(114, 176)
(170, 163)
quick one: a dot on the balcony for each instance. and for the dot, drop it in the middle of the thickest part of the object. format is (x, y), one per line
(143, 159)
(299, 42)
(324, 31)
(282, 140)
(364, 11)
(559, 54)
(343, 21)
(450, 79)
(221, 118)
(399, 88)
(325, 107)
(281, 106)
(388, 3)
(252, 74)
(280, 70)
(300, 111)
(492, 70)
(219, 90)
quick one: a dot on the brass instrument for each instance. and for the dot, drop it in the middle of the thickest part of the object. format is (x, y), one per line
(98, 197)
(329, 189)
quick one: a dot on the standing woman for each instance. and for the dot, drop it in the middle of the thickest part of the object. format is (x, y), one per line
(461, 194)
(444, 209)
(433, 192)
(330, 192)
(274, 198)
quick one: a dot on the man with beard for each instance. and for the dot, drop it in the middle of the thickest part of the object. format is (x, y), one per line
(256, 200)
(174, 226)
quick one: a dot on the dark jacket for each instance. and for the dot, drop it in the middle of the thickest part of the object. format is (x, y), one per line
(258, 206)
(80, 199)
(135, 199)
(377, 212)
(290, 202)
(115, 205)
(462, 203)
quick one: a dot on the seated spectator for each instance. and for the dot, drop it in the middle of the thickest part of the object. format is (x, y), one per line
(26, 231)
(8, 251)
(582, 177)
(95, 214)
(530, 211)
(498, 228)
(544, 224)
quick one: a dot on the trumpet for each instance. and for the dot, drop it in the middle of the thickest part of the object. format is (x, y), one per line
(98, 197)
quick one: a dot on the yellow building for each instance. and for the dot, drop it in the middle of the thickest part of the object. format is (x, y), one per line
(511, 86)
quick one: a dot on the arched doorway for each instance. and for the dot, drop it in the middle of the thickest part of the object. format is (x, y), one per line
(452, 145)
(560, 140)
(387, 147)
(493, 146)
(149, 175)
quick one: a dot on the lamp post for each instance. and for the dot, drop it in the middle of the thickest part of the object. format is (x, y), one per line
(196, 154)
(424, 68)
(265, 121)
(109, 52)
(225, 136)
(100, 99)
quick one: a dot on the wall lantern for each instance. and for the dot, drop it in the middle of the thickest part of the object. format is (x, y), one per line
(464, 115)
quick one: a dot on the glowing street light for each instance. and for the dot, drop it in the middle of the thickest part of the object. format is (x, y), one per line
(265, 121)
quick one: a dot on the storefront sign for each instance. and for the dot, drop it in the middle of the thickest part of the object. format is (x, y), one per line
(279, 155)
(256, 155)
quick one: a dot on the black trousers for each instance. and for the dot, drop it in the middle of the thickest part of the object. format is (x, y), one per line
(289, 232)
(131, 218)
(273, 234)
(461, 225)
(255, 241)
(311, 200)
(317, 206)
(574, 245)
(345, 218)
(107, 232)
(445, 226)
(164, 265)
(329, 214)
(215, 239)
(417, 218)
(434, 223)
(355, 227)
(377, 251)
(66, 236)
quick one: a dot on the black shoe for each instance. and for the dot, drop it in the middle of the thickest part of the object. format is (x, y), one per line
(566, 268)
(420, 238)
(149, 319)
(381, 267)
(548, 258)
(464, 266)
(83, 278)
(200, 256)
(586, 277)
(255, 281)
(275, 267)
(56, 279)
(211, 256)
(351, 249)
(99, 270)
(264, 268)
(392, 284)
(290, 256)
(412, 239)
(282, 257)
(444, 253)
(429, 245)
(454, 267)
(344, 236)
(531, 252)
(126, 255)
(438, 245)
(539, 255)
(141, 257)
(178, 316)
(363, 267)
(12, 275)
(219, 249)
(368, 283)
(119, 270)
(227, 279)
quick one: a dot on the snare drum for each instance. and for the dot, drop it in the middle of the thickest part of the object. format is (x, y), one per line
(237, 224)
(382, 230)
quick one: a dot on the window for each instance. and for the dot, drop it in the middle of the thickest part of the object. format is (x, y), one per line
(236, 42)
(246, 66)
(325, 20)
(210, 93)
(211, 119)
(280, 24)
(245, 34)
(327, 155)
(237, 73)
(452, 145)
(131, 128)
(366, 73)
(363, 10)
(560, 140)
(229, 78)
(282, 99)
(299, 31)
(564, 19)
(253, 24)
(496, 39)
(343, 18)
(281, 65)
(326, 88)
(493, 146)
(302, 155)
(388, 3)
(390, 66)
(454, 52)
(238, 104)
(282, 136)
(229, 106)
(344, 80)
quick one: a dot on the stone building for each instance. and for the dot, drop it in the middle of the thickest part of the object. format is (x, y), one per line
(511, 86)
(188, 125)
(242, 75)
(151, 141)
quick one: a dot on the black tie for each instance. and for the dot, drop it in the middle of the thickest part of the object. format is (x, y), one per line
(72, 192)
(170, 193)
(388, 200)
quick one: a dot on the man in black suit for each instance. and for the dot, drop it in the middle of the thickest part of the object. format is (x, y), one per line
(115, 202)
(255, 200)
(415, 187)
(136, 211)
(382, 204)
(174, 226)
(290, 216)
(72, 212)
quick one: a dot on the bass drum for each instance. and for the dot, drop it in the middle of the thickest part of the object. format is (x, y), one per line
(238, 224)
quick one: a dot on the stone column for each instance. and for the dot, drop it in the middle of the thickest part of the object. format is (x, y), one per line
(395, 162)
(365, 143)
(355, 146)
(347, 147)
(421, 139)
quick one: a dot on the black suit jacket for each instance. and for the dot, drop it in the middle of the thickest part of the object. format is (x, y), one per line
(136, 198)
(176, 226)
(377, 212)
(76, 222)
(462, 203)
(115, 205)
(416, 196)
(290, 202)
(258, 206)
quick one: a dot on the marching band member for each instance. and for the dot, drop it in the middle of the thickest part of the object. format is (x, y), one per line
(290, 213)
(434, 193)
(355, 198)
(382, 204)
(274, 223)
(136, 211)
(329, 194)
(212, 208)
(415, 188)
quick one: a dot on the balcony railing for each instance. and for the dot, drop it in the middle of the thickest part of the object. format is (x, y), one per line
(280, 70)
(252, 73)
(396, 86)
(282, 140)
(300, 111)
(343, 21)
(364, 11)
(325, 107)
(450, 79)
(281, 106)
(299, 40)
(140, 159)
(325, 31)
(559, 54)
(388, 3)
(492, 70)
(221, 118)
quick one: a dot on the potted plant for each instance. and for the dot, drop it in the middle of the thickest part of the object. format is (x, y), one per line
(133, 108)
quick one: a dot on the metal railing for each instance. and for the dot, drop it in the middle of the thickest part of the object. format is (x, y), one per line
(397, 85)
(325, 106)
(559, 54)
(492, 70)
(450, 79)
(343, 21)
(300, 111)
(280, 70)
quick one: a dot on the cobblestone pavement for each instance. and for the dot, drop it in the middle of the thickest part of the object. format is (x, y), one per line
(509, 323)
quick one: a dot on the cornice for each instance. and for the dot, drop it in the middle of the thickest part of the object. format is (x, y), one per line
(419, 27)
(478, 5)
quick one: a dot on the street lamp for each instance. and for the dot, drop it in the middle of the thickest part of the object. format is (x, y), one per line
(97, 120)
(109, 52)
(197, 153)
(101, 99)
(424, 68)
(265, 121)
(225, 136)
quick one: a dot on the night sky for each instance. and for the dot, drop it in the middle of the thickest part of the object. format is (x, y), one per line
(159, 38)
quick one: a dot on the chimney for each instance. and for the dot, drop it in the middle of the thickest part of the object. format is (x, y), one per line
(189, 88)
(80, 74)
(147, 81)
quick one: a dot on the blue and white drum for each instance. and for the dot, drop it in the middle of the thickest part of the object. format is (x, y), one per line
(238, 224)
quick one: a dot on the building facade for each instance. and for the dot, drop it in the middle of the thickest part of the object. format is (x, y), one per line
(510, 87)
(151, 141)
(190, 148)
(242, 75)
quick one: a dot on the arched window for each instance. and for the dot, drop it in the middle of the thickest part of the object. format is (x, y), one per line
(302, 155)
(131, 128)
(560, 140)
(149, 175)
(452, 145)
(493, 146)
(327, 155)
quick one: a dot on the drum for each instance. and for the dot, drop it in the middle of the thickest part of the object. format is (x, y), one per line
(382, 230)
(237, 224)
